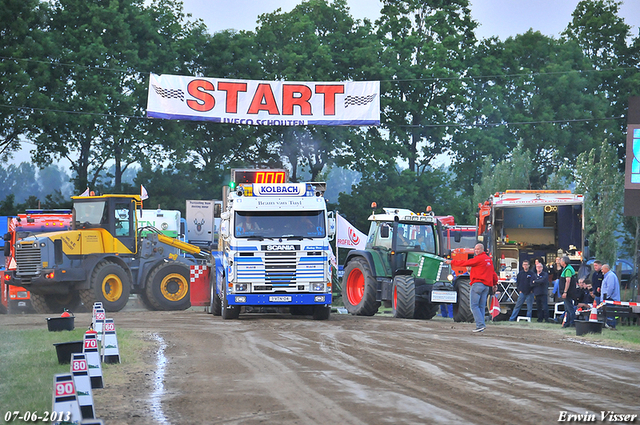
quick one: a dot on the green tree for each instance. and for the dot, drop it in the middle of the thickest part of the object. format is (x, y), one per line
(601, 183)
(100, 89)
(316, 41)
(425, 48)
(22, 35)
(510, 173)
(603, 36)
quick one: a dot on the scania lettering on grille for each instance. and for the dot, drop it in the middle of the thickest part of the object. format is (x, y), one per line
(280, 247)
(290, 189)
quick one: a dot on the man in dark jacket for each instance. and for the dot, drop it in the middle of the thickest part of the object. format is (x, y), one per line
(596, 279)
(523, 281)
(540, 290)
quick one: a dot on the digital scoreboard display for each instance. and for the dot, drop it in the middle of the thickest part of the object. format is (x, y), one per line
(258, 176)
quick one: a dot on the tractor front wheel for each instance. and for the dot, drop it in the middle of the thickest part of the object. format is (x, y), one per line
(404, 297)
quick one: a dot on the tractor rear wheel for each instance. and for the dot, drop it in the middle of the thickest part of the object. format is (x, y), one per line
(359, 288)
(426, 311)
(167, 287)
(55, 303)
(404, 297)
(110, 285)
(462, 309)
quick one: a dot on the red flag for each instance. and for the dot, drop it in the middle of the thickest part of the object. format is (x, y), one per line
(495, 307)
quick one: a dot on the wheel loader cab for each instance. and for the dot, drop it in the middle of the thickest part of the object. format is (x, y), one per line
(117, 215)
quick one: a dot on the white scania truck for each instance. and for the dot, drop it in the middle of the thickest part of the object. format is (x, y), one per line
(273, 248)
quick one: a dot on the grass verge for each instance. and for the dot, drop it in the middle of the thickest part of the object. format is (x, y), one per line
(28, 362)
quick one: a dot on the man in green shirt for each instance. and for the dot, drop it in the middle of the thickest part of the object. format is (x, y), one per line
(568, 290)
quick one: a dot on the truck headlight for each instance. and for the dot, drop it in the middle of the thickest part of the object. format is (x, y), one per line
(241, 299)
(241, 287)
(318, 287)
(318, 298)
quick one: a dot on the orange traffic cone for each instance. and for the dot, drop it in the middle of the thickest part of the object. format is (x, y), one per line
(593, 317)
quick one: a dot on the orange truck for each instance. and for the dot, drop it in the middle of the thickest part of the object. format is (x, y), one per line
(459, 239)
(16, 299)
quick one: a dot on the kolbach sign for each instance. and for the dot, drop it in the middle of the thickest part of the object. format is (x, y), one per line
(264, 102)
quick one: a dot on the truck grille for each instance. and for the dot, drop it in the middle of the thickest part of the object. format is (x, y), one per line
(280, 268)
(283, 270)
(28, 260)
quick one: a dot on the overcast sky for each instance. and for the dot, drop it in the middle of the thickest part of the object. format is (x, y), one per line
(503, 18)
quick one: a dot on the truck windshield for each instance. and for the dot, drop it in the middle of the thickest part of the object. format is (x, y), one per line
(89, 213)
(461, 238)
(284, 224)
(416, 237)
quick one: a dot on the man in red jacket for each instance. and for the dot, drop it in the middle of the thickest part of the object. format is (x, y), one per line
(483, 278)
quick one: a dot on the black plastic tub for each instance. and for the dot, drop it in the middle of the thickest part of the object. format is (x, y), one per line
(56, 324)
(586, 327)
(65, 349)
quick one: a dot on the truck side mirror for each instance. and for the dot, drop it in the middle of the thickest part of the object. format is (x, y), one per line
(457, 236)
(384, 231)
(331, 231)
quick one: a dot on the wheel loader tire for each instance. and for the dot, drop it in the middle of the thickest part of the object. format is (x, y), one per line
(359, 288)
(462, 309)
(404, 297)
(321, 312)
(167, 287)
(56, 303)
(110, 285)
(145, 301)
(229, 312)
(426, 311)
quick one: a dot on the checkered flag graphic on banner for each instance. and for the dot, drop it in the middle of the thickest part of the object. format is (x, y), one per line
(169, 93)
(358, 100)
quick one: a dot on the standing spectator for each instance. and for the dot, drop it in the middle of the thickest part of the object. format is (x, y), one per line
(540, 285)
(523, 281)
(569, 292)
(554, 271)
(610, 291)
(596, 279)
(482, 278)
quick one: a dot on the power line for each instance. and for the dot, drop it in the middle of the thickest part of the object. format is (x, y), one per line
(506, 124)
(460, 77)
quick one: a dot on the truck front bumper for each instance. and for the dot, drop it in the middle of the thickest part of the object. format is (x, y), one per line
(279, 299)
(58, 282)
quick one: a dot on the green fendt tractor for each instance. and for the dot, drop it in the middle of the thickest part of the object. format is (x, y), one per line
(401, 266)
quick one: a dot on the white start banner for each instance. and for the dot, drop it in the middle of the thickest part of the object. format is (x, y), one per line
(270, 103)
(348, 236)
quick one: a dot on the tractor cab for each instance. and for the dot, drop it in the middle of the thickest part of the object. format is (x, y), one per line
(114, 213)
(402, 238)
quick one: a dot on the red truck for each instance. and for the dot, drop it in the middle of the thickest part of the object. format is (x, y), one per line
(16, 299)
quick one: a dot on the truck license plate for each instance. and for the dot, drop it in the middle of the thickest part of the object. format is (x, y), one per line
(279, 299)
(449, 297)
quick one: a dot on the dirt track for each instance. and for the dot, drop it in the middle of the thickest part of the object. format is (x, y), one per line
(279, 369)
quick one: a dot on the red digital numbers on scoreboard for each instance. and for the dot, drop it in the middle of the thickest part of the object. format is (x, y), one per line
(259, 176)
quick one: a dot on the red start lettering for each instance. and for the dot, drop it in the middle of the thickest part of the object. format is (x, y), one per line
(296, 95)
(198, 89)
(263, 100)
(329, 92)
(232, 90)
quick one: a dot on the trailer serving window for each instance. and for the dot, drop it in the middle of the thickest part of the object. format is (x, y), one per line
(284, 224)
